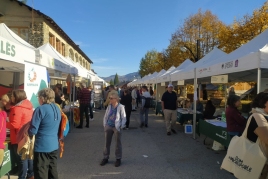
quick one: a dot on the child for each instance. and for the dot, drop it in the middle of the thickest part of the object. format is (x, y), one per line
(3, 116)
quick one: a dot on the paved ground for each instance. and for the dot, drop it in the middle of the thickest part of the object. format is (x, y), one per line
(147, 153)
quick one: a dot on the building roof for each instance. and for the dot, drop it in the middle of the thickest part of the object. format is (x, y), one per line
(61, 31)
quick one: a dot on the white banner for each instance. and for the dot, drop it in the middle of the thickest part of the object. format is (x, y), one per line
(35, 79)
(180, 83)
(163, 84)
(219, 79)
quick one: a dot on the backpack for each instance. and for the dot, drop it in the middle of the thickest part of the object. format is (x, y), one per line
(147, 103)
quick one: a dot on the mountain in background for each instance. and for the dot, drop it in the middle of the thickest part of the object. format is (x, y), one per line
(126, 78)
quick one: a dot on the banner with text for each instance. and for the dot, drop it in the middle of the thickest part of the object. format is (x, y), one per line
(35, 79)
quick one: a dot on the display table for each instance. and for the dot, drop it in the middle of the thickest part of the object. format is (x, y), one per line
(215, 130)
(6, 166)
(159, 108)
(183, 116)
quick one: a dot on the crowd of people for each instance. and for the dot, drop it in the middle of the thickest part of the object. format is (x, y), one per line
(42, 125)
(34, 134)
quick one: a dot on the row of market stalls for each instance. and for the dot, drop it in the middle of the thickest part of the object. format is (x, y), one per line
(24, 66)
(245, 64)
(249, 64)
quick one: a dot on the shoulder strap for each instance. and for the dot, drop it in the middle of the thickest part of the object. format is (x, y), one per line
(245, 132)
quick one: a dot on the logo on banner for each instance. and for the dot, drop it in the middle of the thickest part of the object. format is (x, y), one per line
(228, 65)
(236, 63)
(32, 76)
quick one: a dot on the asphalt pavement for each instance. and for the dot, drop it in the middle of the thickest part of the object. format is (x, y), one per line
(147, 153)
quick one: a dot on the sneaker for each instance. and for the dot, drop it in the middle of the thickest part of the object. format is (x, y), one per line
(91, 119)
(142, 124)
(168, 133)
(87, 126)
(79, 127)
(173, 131)
(103, 162)
(146, 125)
(117, 163)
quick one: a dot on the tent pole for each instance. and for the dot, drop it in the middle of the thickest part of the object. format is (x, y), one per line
(195, 98)
(259, 81)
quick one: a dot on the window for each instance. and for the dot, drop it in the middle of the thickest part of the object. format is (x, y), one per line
(23, 32)
(58, 46)
(71, 54)
(63, 49)
(52, 40)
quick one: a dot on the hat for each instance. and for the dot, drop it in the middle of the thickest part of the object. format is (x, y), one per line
(170, 86)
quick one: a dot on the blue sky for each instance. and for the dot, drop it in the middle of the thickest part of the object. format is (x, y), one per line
(116, 34)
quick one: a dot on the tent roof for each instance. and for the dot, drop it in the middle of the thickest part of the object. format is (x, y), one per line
(19, 50)
(188, 72)
(11, 36)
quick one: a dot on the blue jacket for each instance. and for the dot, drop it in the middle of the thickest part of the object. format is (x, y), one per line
(45, 126)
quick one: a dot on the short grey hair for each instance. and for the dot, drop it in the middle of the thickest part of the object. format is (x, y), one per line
(47, 95)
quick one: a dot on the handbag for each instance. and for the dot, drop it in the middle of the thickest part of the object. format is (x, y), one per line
(244, 158)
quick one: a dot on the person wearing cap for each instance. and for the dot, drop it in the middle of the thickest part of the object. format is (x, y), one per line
(169, 107)
(84, 101)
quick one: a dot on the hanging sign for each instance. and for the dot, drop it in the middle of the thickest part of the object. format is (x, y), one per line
(180, 83)
(35, 79)
(163, 84)
(219, 79)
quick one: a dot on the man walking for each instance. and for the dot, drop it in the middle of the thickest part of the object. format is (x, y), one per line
(169, 106)
(84, 101)
(134, 97)
(92, 95)
(145, 105)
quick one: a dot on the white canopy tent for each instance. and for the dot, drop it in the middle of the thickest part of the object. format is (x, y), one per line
(58, 62)
(13, 51)
(147, 80)
(188, 72)
(154, 80)
(247, 63)
(165, 76)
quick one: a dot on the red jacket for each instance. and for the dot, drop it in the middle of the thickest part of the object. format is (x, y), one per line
(235, 121)
(19, 115)
(3, 116)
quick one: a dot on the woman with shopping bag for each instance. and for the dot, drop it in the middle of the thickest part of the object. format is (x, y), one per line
(247, 155)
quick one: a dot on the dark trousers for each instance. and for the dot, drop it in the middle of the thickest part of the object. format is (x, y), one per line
(90, 110)
(128, 112)
(25, 167)
(45, 165)
(109, 131)
(83, 110)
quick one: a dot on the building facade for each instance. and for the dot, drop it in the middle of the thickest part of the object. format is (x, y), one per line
(37, 29)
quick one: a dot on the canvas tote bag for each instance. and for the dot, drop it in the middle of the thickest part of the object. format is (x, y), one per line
(244, 158)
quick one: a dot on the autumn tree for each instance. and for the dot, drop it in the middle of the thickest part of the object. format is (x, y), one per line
(197, 36)
(243, 29)
(149, 63)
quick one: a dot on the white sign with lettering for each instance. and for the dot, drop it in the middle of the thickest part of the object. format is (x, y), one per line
(219, 79)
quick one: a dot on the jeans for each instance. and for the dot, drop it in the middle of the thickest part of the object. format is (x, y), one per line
(83, 110)
(25, 167)
(232, 134)
(90, 110)
(144, 112)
